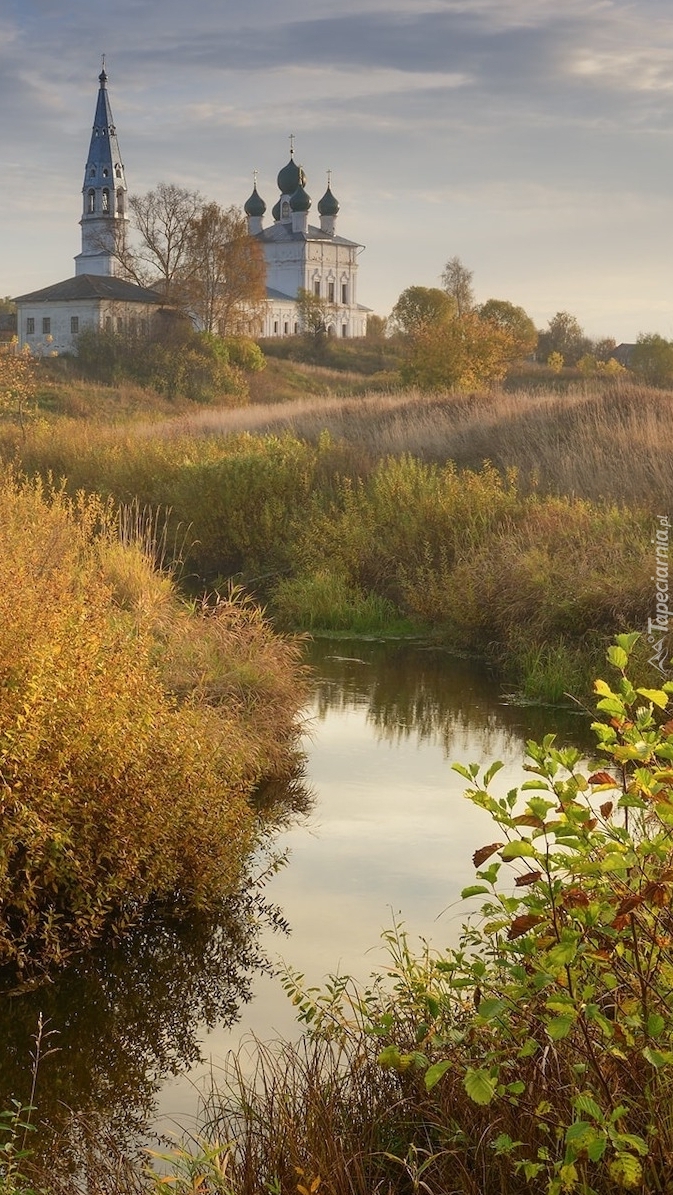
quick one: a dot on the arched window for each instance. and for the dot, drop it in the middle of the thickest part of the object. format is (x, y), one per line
(92, 172)
(118, 171)
(284, 210)
(106, 200)
(91, 201)
(120, 201)
(105, 172)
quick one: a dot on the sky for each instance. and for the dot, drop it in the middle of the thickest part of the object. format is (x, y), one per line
(531, 138)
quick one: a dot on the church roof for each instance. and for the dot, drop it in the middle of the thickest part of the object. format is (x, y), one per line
(283, 232)
(92, 286)
(104, 159)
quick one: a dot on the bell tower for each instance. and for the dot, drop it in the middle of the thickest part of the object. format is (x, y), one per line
(104, 220)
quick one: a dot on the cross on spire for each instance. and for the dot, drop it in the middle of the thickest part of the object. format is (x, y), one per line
(291, 145)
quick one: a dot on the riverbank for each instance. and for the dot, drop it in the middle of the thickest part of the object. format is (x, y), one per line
(134, 730)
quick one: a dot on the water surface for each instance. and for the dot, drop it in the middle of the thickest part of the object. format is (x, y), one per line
(389, 837)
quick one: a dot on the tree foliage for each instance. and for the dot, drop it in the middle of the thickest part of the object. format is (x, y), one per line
(458, 354)
(457, 282)
(17, 383)
(652, 359)
(198, 255)
(514, 320)
(565, 336)
(420, 306)
(225, 271)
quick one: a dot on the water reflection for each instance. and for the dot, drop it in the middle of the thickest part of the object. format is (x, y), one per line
(431, 695)
(124, 1018)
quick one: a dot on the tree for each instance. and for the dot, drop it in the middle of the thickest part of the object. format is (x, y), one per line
(7, 306)
(377, 328)
(17, 384)
(313, 314)
(460, 354)
(513, 320)
(225, 275)
(652, 359)
(565, 336)
(457, 283)
(419, 306)
(162, 219)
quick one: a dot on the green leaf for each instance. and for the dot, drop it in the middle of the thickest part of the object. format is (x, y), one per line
(479, 1085)
(585, 1103)
(657, 1058)
(560, 1027)
(655, 1024)
(613, 861)
(494, 768)
(618, 657)
(626, 1171)
(597, 1147)
(521, 849)
(434, 1073)
(474, 890)
(561, 955)
(491, 1008)
(612, 706)
(656, 696)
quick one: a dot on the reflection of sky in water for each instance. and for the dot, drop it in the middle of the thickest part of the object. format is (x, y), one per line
(391, 832)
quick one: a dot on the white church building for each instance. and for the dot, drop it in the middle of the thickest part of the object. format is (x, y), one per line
(297, 255)
(50, 320)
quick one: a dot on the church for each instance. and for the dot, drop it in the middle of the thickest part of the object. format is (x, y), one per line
(297, 255)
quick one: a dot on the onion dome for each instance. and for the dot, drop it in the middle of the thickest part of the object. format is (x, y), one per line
(255, 205)
(300, 201)
(328, 205)
(290, 177)
(275, 211)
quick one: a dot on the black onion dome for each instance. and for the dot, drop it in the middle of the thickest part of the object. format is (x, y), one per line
(255, 205)
(300, 201)
(328, 205)
(290, 177)
(275, 211)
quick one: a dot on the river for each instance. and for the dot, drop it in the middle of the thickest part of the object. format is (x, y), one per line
(389, 837)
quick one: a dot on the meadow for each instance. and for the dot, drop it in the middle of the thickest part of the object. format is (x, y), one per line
(513, 524)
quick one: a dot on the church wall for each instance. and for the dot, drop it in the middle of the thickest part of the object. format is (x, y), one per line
(56, 325)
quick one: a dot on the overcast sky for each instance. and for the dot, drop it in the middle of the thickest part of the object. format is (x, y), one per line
(532, 138)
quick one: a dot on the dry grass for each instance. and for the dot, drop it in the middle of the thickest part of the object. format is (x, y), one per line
(592, 442)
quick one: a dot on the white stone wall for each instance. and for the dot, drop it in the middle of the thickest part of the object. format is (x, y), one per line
(89, 313)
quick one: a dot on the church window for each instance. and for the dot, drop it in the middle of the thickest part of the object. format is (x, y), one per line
(30, 326)
(285, 210)
(108, 323)
(106, 200)
(105, 172)
(296, 328)
(286, 328)
(120, 324)
(344, 292)
(92, 172)
(120, 201)
(344, 330)
(275, 327)
(91, 201)
(46, 325)
(118, 171)
(330, 292)
(74, 324)
(316, 288)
